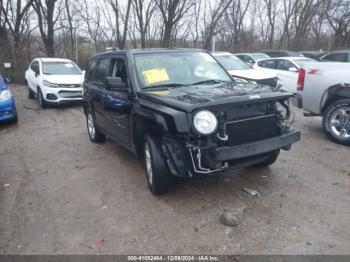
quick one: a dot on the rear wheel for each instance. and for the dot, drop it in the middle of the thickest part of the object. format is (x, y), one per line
(272, 159)
(159, 177)
(95, 135)
(336, 121)
(41, 99)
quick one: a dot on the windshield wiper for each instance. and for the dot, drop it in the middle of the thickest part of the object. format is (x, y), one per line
(209, 82)
(165, 85)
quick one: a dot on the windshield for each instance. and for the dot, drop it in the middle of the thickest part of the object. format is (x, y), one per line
(178, 69)
(260, 56)
(60, 68)
(230, 62)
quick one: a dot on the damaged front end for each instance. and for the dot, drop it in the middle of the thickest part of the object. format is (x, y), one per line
(246, 134)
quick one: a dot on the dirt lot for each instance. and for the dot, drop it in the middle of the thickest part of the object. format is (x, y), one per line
(61, 194)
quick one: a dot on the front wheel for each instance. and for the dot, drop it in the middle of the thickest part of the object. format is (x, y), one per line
(41, 99)
(159, 177)
(31, 93)
(336, 121)
(268, 162)
(95, 135)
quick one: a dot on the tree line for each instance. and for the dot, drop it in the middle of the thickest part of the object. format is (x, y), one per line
(77, 29)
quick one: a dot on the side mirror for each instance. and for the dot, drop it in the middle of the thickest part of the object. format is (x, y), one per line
(293, 69)
(37, 73)
(7, 80)
(115, 83)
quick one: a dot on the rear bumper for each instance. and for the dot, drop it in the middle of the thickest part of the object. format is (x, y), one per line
(283, 141)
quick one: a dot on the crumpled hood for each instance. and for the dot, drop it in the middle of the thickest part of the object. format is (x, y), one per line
(189, 98)
(64, 79)
(253, 74)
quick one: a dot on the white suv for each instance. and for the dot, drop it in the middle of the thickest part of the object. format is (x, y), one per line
(54, 81)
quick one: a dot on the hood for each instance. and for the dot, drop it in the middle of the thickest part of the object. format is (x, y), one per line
(64, 79)
(253, 74)
(191, 97)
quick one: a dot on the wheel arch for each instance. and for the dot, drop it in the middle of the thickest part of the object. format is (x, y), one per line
(333, 93)
(142, 125)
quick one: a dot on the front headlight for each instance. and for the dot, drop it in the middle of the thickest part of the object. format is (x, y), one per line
(205, 122)
(5, 95)
(48, 84)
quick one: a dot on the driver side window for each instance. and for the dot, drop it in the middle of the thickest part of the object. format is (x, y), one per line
(119, 69)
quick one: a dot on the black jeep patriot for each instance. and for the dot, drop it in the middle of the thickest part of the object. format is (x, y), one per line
(183, 114)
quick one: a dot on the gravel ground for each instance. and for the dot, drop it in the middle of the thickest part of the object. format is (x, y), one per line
(61, 194)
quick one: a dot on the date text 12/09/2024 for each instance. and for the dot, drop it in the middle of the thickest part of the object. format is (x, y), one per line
(173, 258)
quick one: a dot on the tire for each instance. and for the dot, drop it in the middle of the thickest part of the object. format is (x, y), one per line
(95, 135)
(336, 121)
(41, 99)
(268, 162)
(31, 94)
(159, 178)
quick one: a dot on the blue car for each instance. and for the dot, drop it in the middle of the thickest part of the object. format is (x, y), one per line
(7, 102)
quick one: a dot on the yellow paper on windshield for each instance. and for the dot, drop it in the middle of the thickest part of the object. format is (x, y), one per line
(155, 75)
(160, 93)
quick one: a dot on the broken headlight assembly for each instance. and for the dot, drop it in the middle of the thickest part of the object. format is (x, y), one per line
(205, 122)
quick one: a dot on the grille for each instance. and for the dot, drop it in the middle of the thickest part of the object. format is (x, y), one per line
(269, 82)
(70, 94)
(70, 85)
(251, 130)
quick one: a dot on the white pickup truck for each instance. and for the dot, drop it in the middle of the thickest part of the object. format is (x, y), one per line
(323, 89)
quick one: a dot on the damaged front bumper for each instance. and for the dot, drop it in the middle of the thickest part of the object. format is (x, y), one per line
(283, 141)
(190, 160)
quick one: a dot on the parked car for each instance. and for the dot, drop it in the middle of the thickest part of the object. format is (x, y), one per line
(8, 110)
(324, 90)
(336, 56)
(313, 54)
(251, 58)
(179, 110)
(237, 68)
(281, 53)
(54, 81)
(286, 68)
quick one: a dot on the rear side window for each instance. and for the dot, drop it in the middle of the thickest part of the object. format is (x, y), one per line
(284, 65)
(268, 64)
(337, 57)
(101, 70)
(91, 70)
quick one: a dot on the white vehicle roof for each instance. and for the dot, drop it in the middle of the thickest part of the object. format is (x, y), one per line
(221, 53)
(292, 58)
(52, 59)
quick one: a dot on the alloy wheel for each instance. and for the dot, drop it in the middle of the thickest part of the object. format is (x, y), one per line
(148, 161)
(340, 123)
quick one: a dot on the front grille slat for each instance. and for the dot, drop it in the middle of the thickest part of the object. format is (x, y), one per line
(251, 130)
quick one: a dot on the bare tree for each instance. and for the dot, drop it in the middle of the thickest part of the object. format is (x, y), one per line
(216, 14)
(338, 17)
(143, 11)
(48, 14)
(15, 12)
(303, 15)
(172, 11)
